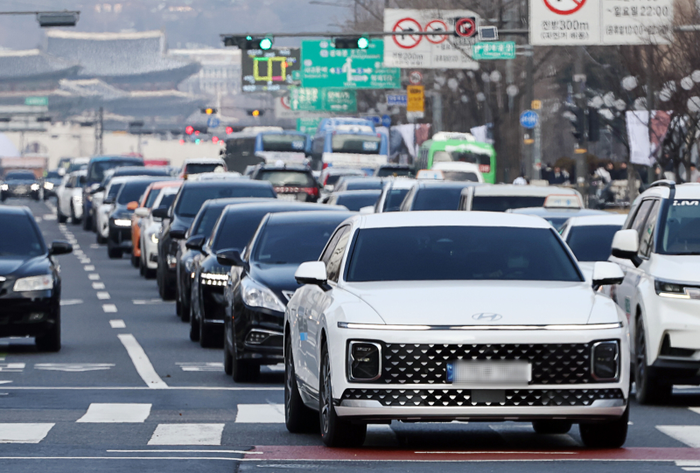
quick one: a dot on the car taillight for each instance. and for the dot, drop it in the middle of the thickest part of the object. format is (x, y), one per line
(310, 190)
(325, 165)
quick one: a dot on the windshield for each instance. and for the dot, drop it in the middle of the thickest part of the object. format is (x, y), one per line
(20, 176)
(463, 156)
(53, 175)
(501, 203)
(192, 198)
(292, 143)
(293, 243)
(195, 168)
(459, 253)
(460, 176)
(98, 169)
(132, 192)
(437, 198)
(287, 178)
(592, 242)
(355, 201)
(167, 200)
(394, 199)
(397, 172)
(205, 224)
(114, 191)
(681, 235)
(152, 196)
(19, 238)
(356, 144)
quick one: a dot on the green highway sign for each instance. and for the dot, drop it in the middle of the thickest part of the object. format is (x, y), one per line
(37, 101)
(308, 125)
(324, 66)
(312, 99)
(493, 50)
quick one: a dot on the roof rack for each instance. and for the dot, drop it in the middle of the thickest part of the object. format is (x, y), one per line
(664, 183)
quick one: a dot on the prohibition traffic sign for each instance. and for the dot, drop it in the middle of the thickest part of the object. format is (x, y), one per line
(436, 25)
(415, 77)
(564, 7)
(466, 27)
(407, 41)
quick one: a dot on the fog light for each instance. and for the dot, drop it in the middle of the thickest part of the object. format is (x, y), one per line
(256, 337)
(364, 361)
(606, 360)
(35, 316)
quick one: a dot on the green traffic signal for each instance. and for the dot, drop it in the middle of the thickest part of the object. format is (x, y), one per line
(363, 42)
(265, 43)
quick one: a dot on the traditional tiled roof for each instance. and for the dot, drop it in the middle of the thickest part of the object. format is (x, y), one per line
(33, 64)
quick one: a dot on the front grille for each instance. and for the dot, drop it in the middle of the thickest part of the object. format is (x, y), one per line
(426, 364)
(463, 397)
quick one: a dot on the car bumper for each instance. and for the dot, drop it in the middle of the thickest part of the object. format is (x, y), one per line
(20, 192)
(28, 316)
(264, 322)
(120, 237)
(677, 319)
(150, 250)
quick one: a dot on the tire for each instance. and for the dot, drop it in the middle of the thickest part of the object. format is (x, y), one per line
(166, 293)
(73, 219)
(51, 340)
(178, 307)
(228, 360)
(135, 261)
(194, 326)
(142, 269)
(100, 239)
(59, 215)
(243, 371)
(113, 253)
(649, 389)
(552, 427)
(209, 337)
(335, 432)
(297, 417)
(87, 220)
(611, 434)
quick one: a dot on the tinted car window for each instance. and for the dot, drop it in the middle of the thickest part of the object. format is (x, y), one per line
(386, 172)
(287, 178)
(97, 171)
(292, 243)
(681, 235)
(20, 176)
(205, 223)
(283, 142)
(356, 144)
(152, 196)
(501, 203)
(114, 191)
(460, 176)
(195, 168)
(592, 243)
(19, 237)
(459, 253)
(167, 200)
(437, 198)
(364, 184)
(132, 191)
(193, 197)
(393, 200)
(236, 230)
(355, 202)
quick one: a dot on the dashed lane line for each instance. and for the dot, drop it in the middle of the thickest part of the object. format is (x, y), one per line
(94, 277)
(141, 362)
(103, 295)
(117, 323)
(89, 267)
(98, 285)
(24, 433)
(187, 434)
(109, 308)
(126, 413)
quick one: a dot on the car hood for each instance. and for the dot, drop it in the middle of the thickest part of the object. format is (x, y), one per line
(477, 302)
(279, 278)
(676, 268)
(15, 267)
(20, 182)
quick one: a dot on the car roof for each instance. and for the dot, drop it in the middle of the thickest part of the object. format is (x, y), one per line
(79, 160)
(15, 210)
(235, 201)
(456, 166)
(284, 167)
(554, 212)
(164, 184)
(140, 179)
(282, 218)
(227, 183)
(116, 158)
(80, 172)
(121, 180)
(447, 184)
(203, 161)
(598, 220)
(362, 192)
(400, 183)
(515, 190)
(343, 171)
(274, 205)
(449, 218)
(139, 170)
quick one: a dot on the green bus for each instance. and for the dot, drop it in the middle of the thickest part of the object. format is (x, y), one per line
(449, 146)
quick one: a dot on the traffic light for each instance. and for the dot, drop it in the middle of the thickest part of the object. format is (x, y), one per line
(593, 125)
(208, 110)
(355, 42)
(229, 130)
(256, 113)
(195, 130)
(578, 122)
(249, 42)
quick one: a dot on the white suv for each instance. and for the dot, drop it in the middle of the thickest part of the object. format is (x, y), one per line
(659, 251)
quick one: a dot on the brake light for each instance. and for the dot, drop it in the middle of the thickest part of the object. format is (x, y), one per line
(325, 165)
(311, 191)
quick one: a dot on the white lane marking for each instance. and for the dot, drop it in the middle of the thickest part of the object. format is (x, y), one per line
(49, 217)
(196, 366)
(98, 285)
(89, 268)
(95, 246)
(73, 367)
(117, 323)
(85, 260)
(103, 296)
(38, 219)
(150, 301)
(141, 362)
(109, 308)
(137, 388)
(172, 450)
(687, 434)
(187, 434)
(260, 414)
(24, 433)
(99, 413)
(12, 367)
(695, 409)
(5, 381)
(65, 302)
(94, 277)
(76, 246)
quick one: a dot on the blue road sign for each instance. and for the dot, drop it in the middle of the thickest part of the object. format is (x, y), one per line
(376, 119)
(386, 121)
(397, 99)
(213, 122)
(529, 119)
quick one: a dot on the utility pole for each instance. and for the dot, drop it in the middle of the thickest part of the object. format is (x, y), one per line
(99, 132)
(580, 100)
(529, 149)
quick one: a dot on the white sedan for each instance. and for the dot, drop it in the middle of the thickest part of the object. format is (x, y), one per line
(440, 316)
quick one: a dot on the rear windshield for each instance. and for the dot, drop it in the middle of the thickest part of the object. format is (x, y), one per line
(205, 223)
(287, 178)
(19, 238)
(294, 143)
(460, 176)
(386, 172)
(152, 196)
(501, 203)
(459, 253)
(193, 198)
(332, 179)
(132, 191)
(20, 176)
(394, 199)
(592, 243)
(356, 144)
(97, 171)
(294, 243)
(355, 201)
(363, 184)
(195, 168)
(437, 198)
(236, 230)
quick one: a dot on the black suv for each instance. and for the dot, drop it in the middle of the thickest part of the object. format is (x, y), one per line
(20, 184)
(291, 181)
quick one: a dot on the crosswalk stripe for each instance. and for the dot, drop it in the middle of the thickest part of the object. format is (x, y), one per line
(687, 434)
(260, 414)
(98, 413)
(24, 433)
(187, 434)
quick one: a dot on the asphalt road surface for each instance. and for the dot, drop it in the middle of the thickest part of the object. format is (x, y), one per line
(129, 392)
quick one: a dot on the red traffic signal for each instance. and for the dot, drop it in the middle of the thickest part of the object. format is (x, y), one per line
(189, 130)
(229, 130)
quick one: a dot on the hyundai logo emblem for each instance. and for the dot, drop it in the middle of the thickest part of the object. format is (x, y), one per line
(488, 317)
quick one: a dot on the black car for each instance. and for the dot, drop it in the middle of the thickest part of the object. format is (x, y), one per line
(20, 184)
(259, 293)
(126, 201)
(355, 200)
(50, 183)
(202, 225)
(291, 181)
(179, 217)
(435, 195)
(30, 284)
(233, 230)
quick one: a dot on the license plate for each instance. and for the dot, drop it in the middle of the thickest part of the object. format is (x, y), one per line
(20, 189)
(489, 373)
(287, 196)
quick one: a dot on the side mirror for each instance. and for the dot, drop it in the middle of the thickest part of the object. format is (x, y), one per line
(230, 258)
(606, 274)
(625, 244)
(176, 234)
(95, 190)
(194, 243)
(60, 248)
(311, 272)
(132, 205)
(140, 212)
(367, 210)
(108, 200)
(161, 212)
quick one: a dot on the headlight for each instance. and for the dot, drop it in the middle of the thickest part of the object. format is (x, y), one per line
(4, 187)
(364, 361)
(214, 279)
(122, 222)
(34, 283)
(675, 290)
(48, 185)
(605, 360)
(255, 295)
(154, 238)
(34, 187)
